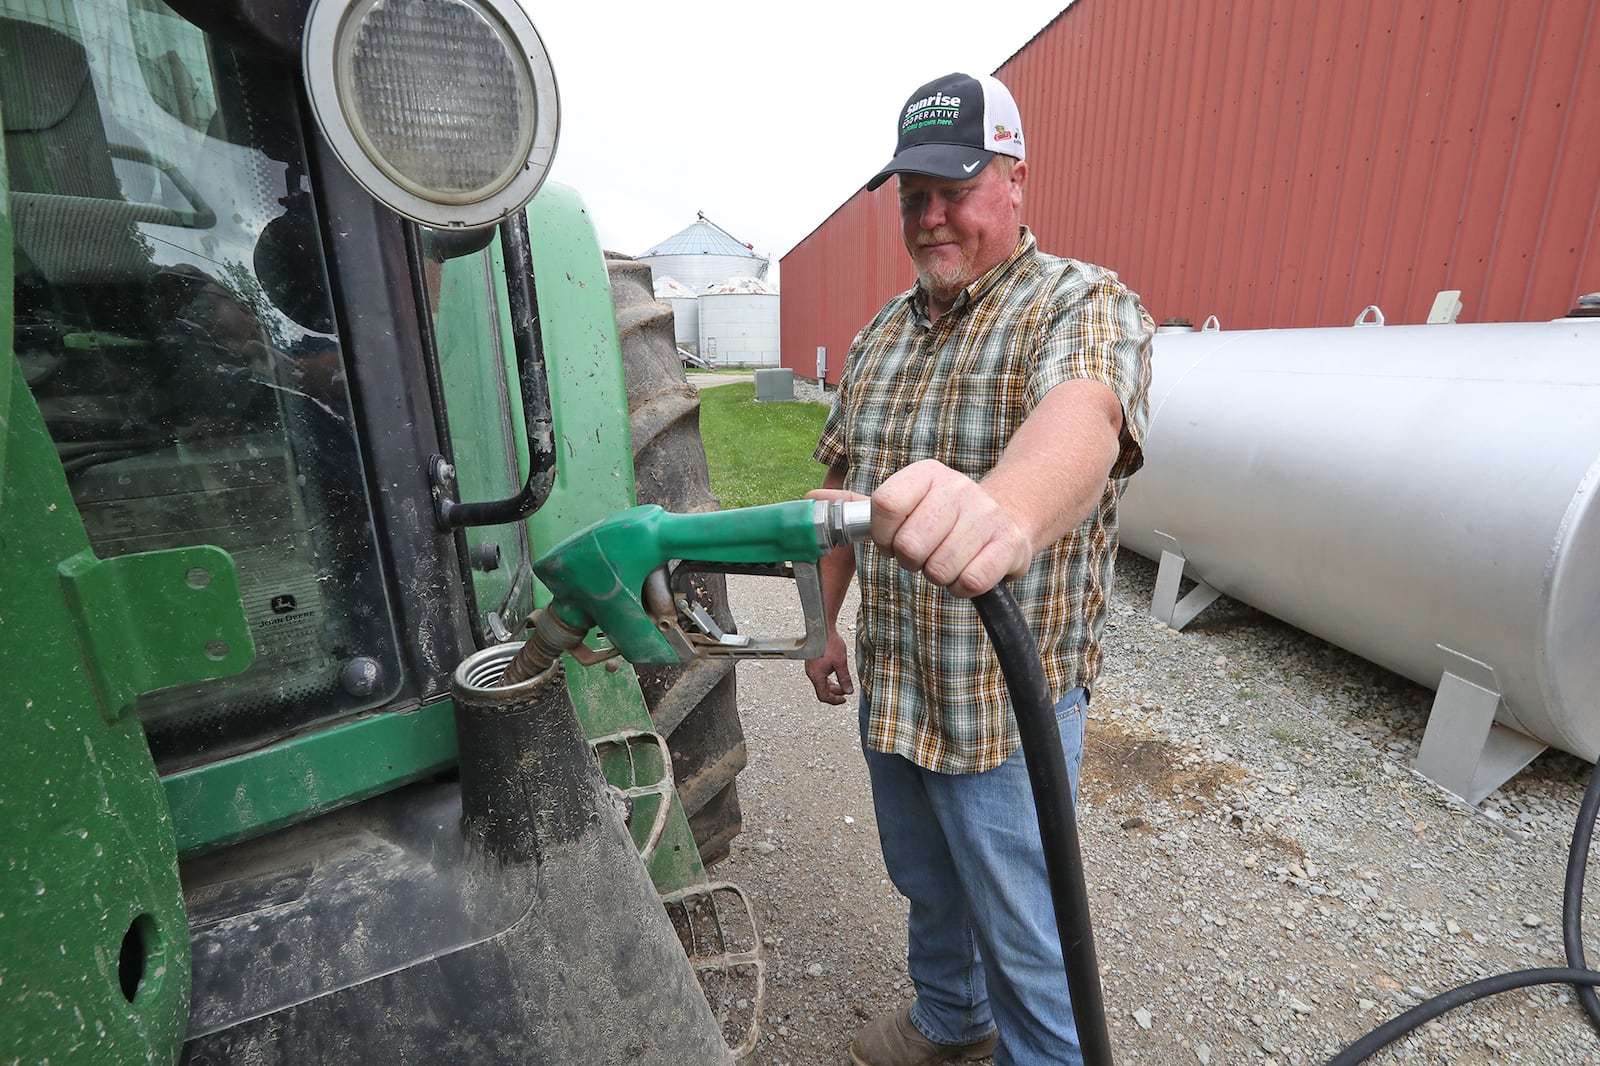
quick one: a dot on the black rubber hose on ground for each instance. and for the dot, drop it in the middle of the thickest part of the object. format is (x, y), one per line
(1058, 824)
(1575, 973)
(1421, 1015)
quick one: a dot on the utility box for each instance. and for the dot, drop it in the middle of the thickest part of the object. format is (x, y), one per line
(775, 384)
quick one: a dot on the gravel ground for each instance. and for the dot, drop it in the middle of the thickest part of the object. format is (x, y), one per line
(1268, 877)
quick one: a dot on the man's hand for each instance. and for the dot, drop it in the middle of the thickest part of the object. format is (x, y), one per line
(830, 675)
(949, 527)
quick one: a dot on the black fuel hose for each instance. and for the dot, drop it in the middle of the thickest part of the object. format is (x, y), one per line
(1058, 822)
(1421, 1015)
(1572, 894)
(1575, 973)
(1058, 830)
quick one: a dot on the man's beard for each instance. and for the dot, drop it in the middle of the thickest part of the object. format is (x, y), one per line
(942, 278)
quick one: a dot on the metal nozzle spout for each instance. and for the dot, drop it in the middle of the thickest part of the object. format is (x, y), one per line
(547, 640)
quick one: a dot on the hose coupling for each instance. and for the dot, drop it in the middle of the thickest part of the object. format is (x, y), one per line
(842, 522)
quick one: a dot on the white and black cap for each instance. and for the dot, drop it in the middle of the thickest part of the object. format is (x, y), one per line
(953, 126)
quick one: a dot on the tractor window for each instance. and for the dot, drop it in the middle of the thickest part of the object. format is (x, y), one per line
(173, 322)
(170, 52)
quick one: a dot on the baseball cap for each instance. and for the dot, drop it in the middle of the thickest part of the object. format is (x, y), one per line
(953, 126)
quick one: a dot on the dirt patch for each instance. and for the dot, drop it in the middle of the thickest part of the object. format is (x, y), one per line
(1129, 766)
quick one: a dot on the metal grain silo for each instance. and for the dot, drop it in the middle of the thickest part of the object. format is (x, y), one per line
(702, 254)
(684, 302)
(1427, 497)
(739, 323)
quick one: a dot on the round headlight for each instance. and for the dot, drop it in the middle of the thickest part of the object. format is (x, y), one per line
(445, 110)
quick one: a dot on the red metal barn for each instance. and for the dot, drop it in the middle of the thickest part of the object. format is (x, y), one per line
(1279, 163)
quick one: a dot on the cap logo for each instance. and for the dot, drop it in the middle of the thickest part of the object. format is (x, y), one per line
(935, 110)
(936, 100)
(1002, 134)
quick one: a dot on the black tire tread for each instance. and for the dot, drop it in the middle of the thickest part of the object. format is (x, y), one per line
(694, 706)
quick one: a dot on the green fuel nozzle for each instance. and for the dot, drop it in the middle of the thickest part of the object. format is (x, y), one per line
(633, 574)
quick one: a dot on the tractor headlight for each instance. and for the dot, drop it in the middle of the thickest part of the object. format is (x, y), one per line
(445, 110)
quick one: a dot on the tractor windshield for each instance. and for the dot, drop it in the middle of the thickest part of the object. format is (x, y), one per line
(174, 323)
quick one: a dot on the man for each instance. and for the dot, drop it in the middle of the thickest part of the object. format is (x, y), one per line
(990, 413)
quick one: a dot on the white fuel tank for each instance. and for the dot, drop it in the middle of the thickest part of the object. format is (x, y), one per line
(1422, 496)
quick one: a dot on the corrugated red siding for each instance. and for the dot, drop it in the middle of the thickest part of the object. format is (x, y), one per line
(843, 273)
(1280, 163)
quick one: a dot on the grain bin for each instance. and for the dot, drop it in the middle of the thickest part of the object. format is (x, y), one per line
(704, 253)
(684, 302)
(739, 323)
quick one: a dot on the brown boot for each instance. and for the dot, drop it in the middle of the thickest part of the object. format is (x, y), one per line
(891, 1040)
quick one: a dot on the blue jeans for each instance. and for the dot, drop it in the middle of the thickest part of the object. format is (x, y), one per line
(965, 850)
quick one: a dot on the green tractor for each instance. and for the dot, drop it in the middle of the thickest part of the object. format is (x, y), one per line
(307, 366)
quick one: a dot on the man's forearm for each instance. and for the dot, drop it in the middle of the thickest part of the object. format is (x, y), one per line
(1054, 469)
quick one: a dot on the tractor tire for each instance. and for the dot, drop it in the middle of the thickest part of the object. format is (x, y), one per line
(695, 706)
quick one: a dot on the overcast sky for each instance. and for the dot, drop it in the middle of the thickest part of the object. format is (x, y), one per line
(764, 116)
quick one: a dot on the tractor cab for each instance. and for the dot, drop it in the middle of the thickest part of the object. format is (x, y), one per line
(303, 376)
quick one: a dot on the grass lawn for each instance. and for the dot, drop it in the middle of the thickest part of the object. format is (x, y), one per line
(759, 452)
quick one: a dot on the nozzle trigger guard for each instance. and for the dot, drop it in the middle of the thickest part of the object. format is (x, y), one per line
(694, 634)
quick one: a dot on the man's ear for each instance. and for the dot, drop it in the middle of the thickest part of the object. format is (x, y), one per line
(1019, 175)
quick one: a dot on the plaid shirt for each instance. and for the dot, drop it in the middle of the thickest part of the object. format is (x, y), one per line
(955, 390)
